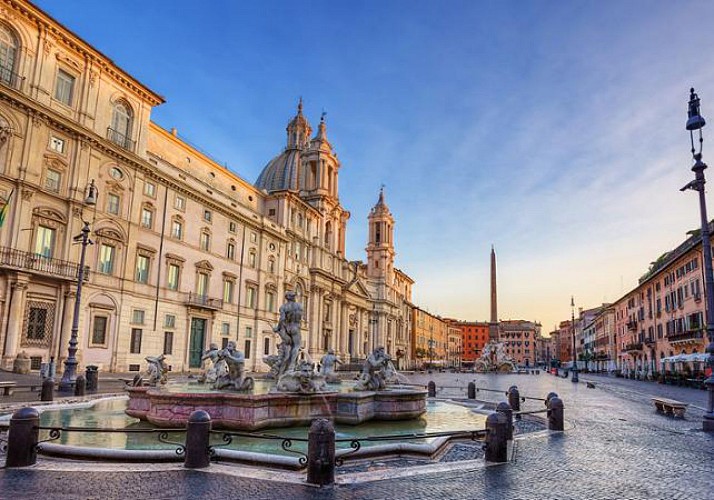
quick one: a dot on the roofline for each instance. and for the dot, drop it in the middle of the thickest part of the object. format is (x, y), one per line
(40, 16)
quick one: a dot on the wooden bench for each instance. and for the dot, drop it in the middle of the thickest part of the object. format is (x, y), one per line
(7, 387)
(670, 406)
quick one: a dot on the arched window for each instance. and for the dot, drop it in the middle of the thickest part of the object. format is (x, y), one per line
(8, 55)
(121, 124)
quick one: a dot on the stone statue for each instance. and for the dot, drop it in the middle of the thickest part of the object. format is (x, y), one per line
(288, 329)
(217, 368)
(303, 379)
(329, 362)
(234, 378)
(274, 361)
(156, 370)
(374, 372)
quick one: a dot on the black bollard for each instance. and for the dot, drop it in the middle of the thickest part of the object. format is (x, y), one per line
(506, 409)
(48, 390)
(22, 438)
(556, 418)
(496, 443)
(549, 396)
(472, 391)
(431, 387)
(92, 377)
(514, 399)
(321, 452)
(80, 386)
(197, 437)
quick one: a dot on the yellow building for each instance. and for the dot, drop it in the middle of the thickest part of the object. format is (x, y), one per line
(430, 339)
(185, 253)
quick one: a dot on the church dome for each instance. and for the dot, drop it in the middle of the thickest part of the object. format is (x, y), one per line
(281, 172)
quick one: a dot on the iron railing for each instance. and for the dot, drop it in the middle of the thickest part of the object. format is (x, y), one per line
(685, 336)
(11, 257)
(634, 347)
(204, 301)
(120, 139)
(54, 433)
(10, 78)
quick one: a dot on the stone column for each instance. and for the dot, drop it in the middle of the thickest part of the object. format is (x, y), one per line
(17, 315)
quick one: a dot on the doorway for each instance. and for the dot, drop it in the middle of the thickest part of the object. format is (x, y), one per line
(197, 342)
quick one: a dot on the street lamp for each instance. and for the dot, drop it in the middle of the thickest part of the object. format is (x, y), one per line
(572, 325)
(70, 365)
(696, 122)
(431, 350)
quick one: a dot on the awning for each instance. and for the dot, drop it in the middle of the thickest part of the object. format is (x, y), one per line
(700, 357)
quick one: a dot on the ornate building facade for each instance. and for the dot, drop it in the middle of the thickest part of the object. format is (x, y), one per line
(185, 253)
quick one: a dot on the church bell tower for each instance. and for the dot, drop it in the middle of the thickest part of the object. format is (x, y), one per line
(380, 248)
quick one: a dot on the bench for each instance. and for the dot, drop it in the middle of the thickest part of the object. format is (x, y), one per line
(670, 406)
(7, 387)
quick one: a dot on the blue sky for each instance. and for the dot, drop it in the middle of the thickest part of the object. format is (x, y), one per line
(553, 130)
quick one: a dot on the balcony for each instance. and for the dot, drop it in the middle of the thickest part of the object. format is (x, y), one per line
(632, 325)
(693, 335)
(633, 347)
(204, 302)
(120, 139)
(26, 261)
(10, 78)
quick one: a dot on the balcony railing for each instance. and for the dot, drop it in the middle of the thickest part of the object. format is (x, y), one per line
(634, 347)
(120, 139)
(10, 257)
(688, 336)
(10, 78)
(632, 325)
(204, 301)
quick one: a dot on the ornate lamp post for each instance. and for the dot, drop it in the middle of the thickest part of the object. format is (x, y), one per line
(70, 365)
(696, 122)
(572, 325)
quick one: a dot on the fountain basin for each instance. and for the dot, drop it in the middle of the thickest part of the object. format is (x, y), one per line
(250, 412)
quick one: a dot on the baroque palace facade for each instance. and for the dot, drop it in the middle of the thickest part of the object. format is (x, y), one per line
(185, 253)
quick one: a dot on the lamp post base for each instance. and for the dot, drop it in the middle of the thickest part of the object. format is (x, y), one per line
(69, 377)
(708, 420)
(575, 379)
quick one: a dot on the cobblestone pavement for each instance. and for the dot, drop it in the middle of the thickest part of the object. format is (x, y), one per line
(615, 446)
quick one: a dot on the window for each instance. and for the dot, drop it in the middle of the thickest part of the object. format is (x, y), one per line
(142, 268)
(224, 342)
(231, 251)
(57, 144)
(251, 258)
(266, 346)
(168, 342)
(232, 227)
(52, 180)
(228, 287)
(248, 332)
(99, 330)
(120, 131)
(174, 273)
(169, 321)
(106, 258)
(147, 218)
(225, 329)
(8, 55)
(150, 189)
(271, 265)
(270, 301)
(36, 323)
(135, 347)
(180, 203)
(137, 316)
(247, 349)
(253, 237)
(113, 202)
(116, 173)
(250, 297)
(45, 242)
(202, 284)
(177, 229)
(205, 241)
(64, 87)
(207, 215)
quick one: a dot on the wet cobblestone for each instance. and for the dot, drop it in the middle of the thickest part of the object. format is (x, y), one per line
(615, 446)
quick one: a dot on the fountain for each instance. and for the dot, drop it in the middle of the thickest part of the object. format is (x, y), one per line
(494, 359)
(301, 392)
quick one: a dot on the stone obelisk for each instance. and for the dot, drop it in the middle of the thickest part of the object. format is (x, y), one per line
(493, 324)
